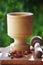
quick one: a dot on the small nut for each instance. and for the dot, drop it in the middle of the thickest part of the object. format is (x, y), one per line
(9, 55)
(12, 57)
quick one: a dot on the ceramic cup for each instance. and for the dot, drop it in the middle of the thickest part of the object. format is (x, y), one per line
(19, 27)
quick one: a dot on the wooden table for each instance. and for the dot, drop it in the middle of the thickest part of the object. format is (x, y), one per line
(20, 62)
(26, 60)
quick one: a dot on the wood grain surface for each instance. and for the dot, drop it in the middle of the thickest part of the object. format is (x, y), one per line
(21, 62)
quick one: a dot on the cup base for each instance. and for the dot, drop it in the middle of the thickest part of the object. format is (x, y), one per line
(18, 47)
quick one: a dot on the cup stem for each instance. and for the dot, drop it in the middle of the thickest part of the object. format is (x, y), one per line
(20, 41)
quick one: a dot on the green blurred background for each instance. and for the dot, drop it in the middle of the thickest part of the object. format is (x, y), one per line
(34, 6)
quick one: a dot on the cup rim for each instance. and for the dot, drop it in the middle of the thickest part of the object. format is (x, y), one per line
(20, 13)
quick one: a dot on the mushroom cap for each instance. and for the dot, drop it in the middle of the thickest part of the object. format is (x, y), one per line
(36, 39)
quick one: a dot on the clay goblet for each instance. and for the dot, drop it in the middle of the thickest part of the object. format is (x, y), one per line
(19, 26)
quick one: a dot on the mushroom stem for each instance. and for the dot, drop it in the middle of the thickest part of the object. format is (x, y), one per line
(38, 50)
(36, 43)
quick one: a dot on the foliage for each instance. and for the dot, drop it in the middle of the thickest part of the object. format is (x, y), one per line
(6, 6)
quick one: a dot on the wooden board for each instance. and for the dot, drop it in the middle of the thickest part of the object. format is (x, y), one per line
(21, 62)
